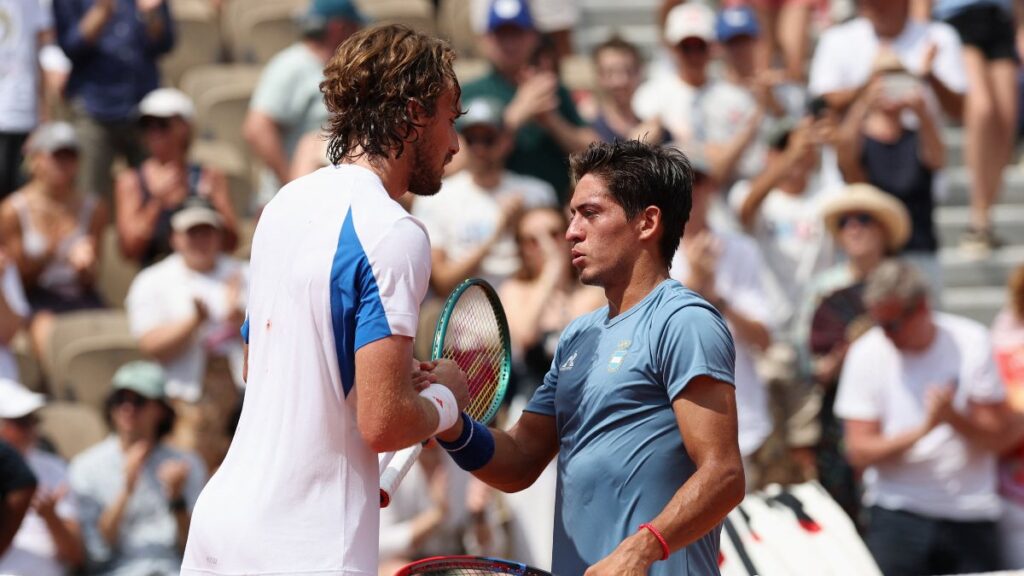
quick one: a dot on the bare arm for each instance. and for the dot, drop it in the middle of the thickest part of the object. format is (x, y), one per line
(570, 138)
(991, 425)
(134, 218)
(761, 185)
(706, 415)
(520, 454)
(747, 329)
(220, 199)
(931, 150)
(66, 534)
(867, 446)
(95, 19)
(391, 415)
(264, 138)
(168, 341)
(14, 506)
(725, 156)
(850, 138)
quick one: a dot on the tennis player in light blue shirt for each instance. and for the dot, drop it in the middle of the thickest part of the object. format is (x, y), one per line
(639, 403)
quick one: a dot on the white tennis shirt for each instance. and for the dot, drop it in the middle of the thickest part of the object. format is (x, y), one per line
(336, 264)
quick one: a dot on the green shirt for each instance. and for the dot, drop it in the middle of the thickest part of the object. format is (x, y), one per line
(536, 153)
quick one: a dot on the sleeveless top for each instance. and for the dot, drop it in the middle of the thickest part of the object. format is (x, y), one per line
(160, 243)
(896, 168)
(59, 276)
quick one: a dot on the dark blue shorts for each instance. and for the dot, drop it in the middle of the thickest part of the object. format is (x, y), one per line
(908, 544)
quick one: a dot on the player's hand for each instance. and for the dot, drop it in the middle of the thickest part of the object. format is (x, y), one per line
(172, 475)
(421, 375)
(632, 557)
(452, 377)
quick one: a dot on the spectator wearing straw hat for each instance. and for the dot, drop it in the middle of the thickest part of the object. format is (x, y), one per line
(135, 493)
(287, 102)
(49, 541)
(867, 225)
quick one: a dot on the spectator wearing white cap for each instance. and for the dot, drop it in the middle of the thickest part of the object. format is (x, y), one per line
(697, 110)
(287, 102)
(49, 542)
(186, 311)
(148, 196)
(135, 493)
(53, 232)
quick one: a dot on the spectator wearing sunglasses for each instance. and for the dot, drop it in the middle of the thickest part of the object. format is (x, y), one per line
(49, 541)
(135, 493)
(925, 417)
(471, 222)
(52, 231)
(698, 110)
(148, 196)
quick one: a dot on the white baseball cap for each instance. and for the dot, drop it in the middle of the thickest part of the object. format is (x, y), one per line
(690, 21)
(16, 401)
(167, 103)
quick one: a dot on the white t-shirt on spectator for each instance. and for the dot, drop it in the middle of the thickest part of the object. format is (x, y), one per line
(943, 475)
(738, 279)
(714, 113)
(845, 55)
(19, 68)
(336, 265)
(792, 238)
(12, 292)
(463, 215)
(33, 552)
(166, 293)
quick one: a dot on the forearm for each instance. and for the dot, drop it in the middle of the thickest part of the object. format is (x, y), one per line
(701, 503)
(512, 468)
(110, 520)
(724, 158)
(169, 341)
(69, 546)
(932, 151)
(952, 102)
(759, 189)
(992, 435)
(264, 137)
(446, 273)
(155, 26)
(570, 138)
(13, 508)
(135, 228)
(525, 324)
(95, 19)
(746, 329)
(870, 450)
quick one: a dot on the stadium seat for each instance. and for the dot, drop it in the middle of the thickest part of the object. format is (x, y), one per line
(469, 69)
(85, 367)
(232, 18)
(454, 24)
(221, 111)
(74, 326)
(234, 163)
(416, 14)
(198, 40)
(116, 272)
(197, 81)
(262, 31)
(71, 428)
(29, 372)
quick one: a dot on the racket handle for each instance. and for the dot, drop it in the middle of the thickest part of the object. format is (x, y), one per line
(396, 471)
(383, 460)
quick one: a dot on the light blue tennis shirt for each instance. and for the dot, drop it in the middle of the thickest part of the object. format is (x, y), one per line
(621, 458)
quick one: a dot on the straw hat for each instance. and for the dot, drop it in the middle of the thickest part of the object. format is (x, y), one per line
(884, 208)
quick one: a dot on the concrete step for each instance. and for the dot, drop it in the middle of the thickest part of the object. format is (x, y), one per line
(962, 270)
(958, 187)
(1008, 219)
(981, 304)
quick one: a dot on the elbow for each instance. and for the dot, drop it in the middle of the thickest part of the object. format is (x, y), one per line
(379, 437)
(734, 482)
(857, 459)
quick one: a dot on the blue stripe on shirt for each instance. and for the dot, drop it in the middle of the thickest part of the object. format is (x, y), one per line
(357, 314)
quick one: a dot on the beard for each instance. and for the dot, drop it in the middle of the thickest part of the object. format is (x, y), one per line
(425, 179)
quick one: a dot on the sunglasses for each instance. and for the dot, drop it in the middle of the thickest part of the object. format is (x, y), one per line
(65, 155)
(861, 218)
(487, 140)
(154, 123)
(693, 46)
(127, 397)
(897, 324)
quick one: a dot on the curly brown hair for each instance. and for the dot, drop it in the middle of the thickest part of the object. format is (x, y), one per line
(369, 83)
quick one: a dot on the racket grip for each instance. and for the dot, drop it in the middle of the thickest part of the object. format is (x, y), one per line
(396, 471)
(383, 460)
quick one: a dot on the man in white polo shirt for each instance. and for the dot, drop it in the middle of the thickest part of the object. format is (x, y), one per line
(337, 275)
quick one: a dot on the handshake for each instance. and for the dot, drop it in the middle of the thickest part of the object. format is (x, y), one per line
(428, 377)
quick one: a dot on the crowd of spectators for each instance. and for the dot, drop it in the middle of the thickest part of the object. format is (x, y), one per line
(814, 129)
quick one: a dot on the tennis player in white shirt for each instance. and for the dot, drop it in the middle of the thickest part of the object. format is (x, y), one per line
(338, 272)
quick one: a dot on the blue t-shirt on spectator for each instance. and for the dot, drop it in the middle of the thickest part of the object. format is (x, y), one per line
(112, 74)
(621, 456)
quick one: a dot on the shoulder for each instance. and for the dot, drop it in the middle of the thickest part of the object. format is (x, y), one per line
(847, 31)
(681, 306)
(96, 460)
(167, 269)
(941, 33)
(965, 330)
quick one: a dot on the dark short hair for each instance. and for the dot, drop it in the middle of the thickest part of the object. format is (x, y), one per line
(639, 175)
(369, 83)
(620, 44)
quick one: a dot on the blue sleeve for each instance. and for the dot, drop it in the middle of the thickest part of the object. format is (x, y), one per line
(543, 400)
(67, 15)
(694, 341)
(245, 330)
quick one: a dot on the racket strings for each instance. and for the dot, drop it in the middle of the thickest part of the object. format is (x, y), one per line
(473, 341)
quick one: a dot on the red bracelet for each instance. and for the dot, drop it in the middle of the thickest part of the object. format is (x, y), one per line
(661, 539)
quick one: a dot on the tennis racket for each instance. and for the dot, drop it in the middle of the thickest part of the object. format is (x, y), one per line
(472, 332)
(468, 566)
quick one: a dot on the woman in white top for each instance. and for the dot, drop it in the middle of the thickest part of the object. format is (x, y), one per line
(52, 231)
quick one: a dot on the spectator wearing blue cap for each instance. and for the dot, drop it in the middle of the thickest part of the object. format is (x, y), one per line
(287, 102)
(113, 47)
(538, 108)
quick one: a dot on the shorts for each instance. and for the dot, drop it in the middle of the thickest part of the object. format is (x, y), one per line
(988, 28)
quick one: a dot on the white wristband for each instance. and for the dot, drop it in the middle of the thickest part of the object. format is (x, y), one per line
(444, 401)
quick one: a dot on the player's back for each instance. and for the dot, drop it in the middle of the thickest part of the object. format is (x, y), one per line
(298, 490)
